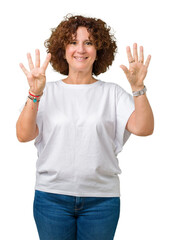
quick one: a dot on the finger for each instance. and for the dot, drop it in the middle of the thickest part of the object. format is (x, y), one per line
(125, 69)
(148, 61)
(129, 54)
(30, 63)
(24, 69)
(135, 53)
(37, 58)
(141, 58)
(47, 60)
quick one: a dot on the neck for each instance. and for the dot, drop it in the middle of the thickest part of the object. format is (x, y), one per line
(79, 78)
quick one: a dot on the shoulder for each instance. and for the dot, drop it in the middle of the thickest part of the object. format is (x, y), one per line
(121, 96)
(50, 84)
(116, 88)
(111, 84)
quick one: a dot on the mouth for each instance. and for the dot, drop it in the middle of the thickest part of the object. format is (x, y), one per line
(80, 59)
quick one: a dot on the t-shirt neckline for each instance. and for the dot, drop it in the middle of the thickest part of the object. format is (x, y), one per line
(79, 85)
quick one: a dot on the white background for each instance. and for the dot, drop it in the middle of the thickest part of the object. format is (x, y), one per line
(145, 161)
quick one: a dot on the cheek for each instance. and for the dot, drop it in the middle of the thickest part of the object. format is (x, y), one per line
(69, 51)
(93, 52)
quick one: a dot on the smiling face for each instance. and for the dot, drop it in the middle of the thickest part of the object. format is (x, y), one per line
(80, 53)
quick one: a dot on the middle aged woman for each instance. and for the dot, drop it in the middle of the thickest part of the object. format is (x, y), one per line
(80, 127)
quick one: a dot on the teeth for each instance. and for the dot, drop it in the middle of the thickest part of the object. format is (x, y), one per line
(80, 58)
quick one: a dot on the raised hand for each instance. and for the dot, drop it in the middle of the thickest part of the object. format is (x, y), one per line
(137, 69)
(36, 76)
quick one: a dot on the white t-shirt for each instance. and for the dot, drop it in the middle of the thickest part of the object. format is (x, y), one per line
(81, 132)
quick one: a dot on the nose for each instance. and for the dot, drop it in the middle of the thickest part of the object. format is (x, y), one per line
(81, 48)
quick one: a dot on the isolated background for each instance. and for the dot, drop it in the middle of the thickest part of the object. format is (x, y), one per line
(145, 161)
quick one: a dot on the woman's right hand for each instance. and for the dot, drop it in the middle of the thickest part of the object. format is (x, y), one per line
(36, 76)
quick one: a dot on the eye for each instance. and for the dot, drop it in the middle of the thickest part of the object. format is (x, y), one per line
(73, 42)
(89, 43)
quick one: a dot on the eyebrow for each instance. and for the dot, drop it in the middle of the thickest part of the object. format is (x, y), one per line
(74, 39)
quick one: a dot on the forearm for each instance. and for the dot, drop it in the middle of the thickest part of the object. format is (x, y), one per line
(144, 120)
(26, 124)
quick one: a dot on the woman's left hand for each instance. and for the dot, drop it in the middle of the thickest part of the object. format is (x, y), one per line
(137, 69)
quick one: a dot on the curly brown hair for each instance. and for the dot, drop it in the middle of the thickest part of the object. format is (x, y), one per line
(62, 35)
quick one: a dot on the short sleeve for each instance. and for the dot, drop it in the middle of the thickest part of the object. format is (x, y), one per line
(124, 108)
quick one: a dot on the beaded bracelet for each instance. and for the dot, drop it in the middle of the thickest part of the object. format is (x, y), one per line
(34, 98)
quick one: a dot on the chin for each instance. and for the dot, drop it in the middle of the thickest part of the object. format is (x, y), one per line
(82, 69)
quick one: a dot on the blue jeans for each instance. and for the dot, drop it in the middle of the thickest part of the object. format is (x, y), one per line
(63, 217)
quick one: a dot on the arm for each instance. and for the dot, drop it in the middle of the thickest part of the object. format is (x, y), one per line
(26, 127)
(141, 122)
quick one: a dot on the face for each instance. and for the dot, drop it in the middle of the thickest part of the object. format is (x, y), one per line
(80, 52)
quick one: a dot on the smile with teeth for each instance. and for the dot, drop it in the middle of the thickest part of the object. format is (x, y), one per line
(80, 59)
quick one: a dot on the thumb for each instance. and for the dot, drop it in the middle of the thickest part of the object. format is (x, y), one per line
(125, 69)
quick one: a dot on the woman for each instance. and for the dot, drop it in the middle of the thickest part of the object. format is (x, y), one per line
(80, 124)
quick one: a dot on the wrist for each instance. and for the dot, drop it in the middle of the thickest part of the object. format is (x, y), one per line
(38, 94)
(137, 88)
(139, 92)
(34, 98)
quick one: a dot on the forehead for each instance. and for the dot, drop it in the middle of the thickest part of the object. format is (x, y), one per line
(82, 32)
